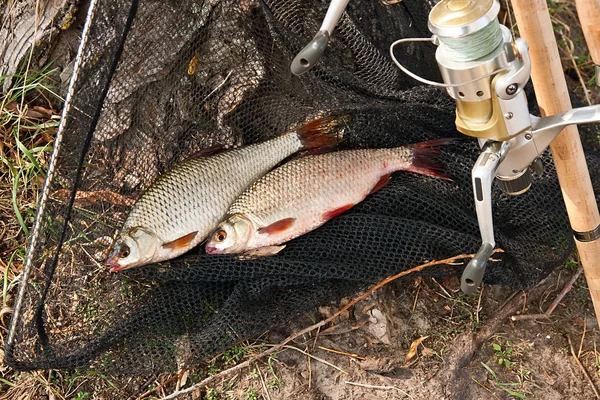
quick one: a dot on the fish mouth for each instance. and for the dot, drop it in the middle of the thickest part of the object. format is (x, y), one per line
(115, 267)
(212, 250)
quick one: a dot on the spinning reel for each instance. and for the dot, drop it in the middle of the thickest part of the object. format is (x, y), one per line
(485, 71)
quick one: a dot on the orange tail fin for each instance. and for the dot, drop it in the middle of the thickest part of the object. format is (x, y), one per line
(422, 158)
(322, 132)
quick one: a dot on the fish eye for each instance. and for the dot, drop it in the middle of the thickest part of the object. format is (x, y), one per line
(220, 235)
(124, 252)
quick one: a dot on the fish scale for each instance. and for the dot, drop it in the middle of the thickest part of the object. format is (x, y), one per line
(320, 180)
(301, 195)
(198, 191)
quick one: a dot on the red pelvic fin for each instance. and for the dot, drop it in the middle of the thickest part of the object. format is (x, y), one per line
(423, 153)
(182, 242)
(335, 212)
(278, 226)
(382, 182)
(321, 132)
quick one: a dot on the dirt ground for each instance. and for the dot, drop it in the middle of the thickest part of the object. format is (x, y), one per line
(471, 348)
(465, 347)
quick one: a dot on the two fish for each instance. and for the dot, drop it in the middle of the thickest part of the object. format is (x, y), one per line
(183, 206)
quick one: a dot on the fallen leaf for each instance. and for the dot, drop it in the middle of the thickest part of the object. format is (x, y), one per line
(413, 347)
(184, 377)
(48, 113)
(451, 283)
(378, 326)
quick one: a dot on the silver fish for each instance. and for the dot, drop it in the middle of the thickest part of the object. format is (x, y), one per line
(185, 204)
(303, 194)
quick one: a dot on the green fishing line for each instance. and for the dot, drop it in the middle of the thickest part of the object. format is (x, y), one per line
(474, 46)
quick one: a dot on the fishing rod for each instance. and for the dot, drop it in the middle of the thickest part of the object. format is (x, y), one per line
(484, 69)
(589, 17)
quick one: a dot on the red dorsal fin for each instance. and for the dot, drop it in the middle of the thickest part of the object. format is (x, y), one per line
(337, 211)
(382, 182)
(278, 226)
(182, 242)
(320, 133)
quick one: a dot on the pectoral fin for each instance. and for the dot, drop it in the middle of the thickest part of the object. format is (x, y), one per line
(278, 227)
(182, 242)
(261, 252)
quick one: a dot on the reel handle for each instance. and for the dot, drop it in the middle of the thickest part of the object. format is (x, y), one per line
(482, 175)
(313, 51)
(310, 54)
(475, 269)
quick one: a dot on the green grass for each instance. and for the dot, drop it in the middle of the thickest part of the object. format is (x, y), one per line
(508, 387)
(28, 122)
(23, 146)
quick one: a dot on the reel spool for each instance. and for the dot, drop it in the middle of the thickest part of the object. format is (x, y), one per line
(474, 51)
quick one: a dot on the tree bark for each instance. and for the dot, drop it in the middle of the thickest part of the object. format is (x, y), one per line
(36, 23)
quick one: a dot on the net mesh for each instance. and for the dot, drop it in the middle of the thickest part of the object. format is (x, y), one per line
(200, 74)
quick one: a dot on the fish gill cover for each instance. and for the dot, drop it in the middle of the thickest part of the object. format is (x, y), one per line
(200, 74)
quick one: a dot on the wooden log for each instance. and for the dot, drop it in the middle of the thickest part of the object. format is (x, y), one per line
(552, 95)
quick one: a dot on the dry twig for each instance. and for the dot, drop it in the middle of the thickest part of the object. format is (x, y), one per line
(582, 337)
(554, 304)
(478, 304)
(309, 356)
(264, 385)
(378, 387)
(416, 297)
(585, 373)
(160, 386)
(484, 387)
(352, 355)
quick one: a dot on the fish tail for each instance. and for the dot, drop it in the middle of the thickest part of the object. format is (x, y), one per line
(321, 133)
(423, 153)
